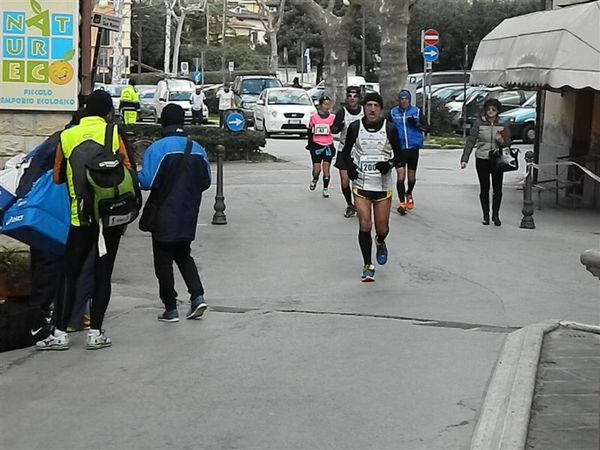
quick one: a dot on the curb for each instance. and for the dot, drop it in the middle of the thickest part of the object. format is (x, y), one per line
(504, 418)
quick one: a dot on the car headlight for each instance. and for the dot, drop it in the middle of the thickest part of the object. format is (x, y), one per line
(512, 119)
(274, 113)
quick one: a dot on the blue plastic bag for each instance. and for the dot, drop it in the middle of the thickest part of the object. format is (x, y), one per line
(42, 218)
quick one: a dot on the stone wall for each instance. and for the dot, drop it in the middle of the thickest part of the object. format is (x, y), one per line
(21, 131)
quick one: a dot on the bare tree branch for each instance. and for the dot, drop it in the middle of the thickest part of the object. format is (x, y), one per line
(330, 6)
(281, 12)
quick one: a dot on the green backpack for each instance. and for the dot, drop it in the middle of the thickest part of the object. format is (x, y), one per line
(105, 189)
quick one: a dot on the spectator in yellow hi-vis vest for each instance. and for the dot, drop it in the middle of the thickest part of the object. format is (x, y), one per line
(129, 103)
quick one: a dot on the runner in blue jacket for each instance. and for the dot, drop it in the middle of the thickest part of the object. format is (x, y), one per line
(411, 125)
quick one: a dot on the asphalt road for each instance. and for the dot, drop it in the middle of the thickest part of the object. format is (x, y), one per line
(295, 352)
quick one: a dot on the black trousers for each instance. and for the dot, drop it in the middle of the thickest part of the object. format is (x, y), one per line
(196, 116)
(81, 241)
(484, 173)
(47, 270)
(165, 253)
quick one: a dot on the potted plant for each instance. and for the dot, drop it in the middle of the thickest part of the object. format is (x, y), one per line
(15, 273)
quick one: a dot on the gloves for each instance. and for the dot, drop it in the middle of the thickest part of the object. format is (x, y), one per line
(413, 121)
(383, 166)
(353, 172)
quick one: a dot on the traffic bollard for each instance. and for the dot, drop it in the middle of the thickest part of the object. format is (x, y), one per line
(527, 220)
(219, 217)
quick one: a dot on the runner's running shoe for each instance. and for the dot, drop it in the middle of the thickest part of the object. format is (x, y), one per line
(197, 308)
(57, 340)
(350, 211)
(382, 253)
(368, 273)
(313, 185)
(410, 203)
(402, 209)
(325, 193)
(96, 339)
(169, 315)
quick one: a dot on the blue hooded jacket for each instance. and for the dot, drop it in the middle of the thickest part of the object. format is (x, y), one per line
(178, 217)
(410, 123)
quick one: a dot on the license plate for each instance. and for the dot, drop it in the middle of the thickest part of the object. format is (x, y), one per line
(294, 121)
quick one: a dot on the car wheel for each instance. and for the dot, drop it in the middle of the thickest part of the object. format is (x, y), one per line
(267, 134)
(528, 133)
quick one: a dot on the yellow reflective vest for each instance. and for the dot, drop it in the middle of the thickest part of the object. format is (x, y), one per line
(90, 128)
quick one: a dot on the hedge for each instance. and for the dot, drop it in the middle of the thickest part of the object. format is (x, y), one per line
(243, 145)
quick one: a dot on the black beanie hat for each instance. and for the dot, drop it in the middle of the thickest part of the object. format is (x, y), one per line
(99, 103)
(373, 97)
(172, 115)
(353, 90)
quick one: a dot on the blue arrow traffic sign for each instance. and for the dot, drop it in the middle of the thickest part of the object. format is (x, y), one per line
(235, 121)
(431, 53)
(197, 75)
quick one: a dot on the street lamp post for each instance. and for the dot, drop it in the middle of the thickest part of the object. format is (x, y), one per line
(364, 38)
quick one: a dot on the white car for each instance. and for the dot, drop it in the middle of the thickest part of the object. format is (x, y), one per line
(179, 92)
(283, 110)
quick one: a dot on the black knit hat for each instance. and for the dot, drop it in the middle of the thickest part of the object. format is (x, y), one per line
(172, 115)
(373, 97)
(353, 90)
(99, 103)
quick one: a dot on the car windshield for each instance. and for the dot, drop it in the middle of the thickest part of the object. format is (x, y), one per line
(114, 90)
(288, 98)
(444, 93)
(147, 94)
(179, 96)
(256, 86)
(531, 102)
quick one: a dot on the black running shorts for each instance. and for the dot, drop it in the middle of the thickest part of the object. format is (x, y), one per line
(409, 158)
(373, 196)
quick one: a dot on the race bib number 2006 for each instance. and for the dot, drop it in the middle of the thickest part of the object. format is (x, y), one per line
(367, 163)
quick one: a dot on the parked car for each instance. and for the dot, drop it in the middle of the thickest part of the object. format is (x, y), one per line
(521, 121)
(146, 101)
(178, 91)
(509, 98)
(448, 76)
(283, 110)
(316, 93)
(247, 89)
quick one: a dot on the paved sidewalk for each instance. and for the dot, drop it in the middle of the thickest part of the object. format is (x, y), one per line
(566, 405)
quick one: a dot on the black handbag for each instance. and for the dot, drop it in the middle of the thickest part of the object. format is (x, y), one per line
(149, 218)
(505, 159)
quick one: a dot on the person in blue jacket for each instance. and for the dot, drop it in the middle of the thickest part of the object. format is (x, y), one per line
(178, 214)
(411, 125)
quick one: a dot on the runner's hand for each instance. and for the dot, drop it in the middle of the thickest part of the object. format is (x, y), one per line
(383, 166)
(463, 164)
(353, 172)
(412, 121)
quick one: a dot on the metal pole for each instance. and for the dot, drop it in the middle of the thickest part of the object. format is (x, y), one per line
(85, 33)
(424, 75)
(527, 220)
(202, 65)
(219, 217)
(301, 62)
(364, 38)
(207, 25)
(465, 91)
(428, 95)
(139, 80)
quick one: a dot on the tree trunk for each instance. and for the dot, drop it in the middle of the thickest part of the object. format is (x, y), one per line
(394, 69)
(177, 45)
(274, 63)
(167, 38)
(337, 62)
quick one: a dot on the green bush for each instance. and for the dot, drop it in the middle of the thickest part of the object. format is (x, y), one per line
(244, 145)
(441, 120)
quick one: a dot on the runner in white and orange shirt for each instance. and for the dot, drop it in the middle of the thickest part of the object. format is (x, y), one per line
(320, 144)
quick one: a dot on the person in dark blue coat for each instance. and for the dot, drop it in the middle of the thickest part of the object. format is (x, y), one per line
(178, 213)
(411, 125)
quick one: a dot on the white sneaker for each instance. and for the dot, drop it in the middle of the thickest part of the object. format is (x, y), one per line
(97, 339)
(58, 340)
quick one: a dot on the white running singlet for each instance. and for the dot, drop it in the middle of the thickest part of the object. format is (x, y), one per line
(348, 119)
(369, 149)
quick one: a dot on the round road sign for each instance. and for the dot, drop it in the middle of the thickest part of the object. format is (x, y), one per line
(431, 37)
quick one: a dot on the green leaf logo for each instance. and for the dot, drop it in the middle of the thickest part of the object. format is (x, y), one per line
(35, 6)
(68, 56)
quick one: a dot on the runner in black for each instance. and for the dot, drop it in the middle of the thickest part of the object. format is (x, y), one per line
(371, 150)
(348, 114)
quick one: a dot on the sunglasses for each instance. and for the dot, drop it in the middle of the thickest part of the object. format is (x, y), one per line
(352, 95)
